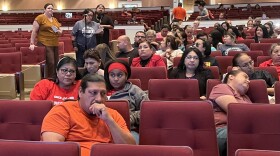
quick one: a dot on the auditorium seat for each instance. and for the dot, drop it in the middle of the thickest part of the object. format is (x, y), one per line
(176, 61)
(246, 41)
(6, 45)
(179, 123)
(38, 148)
(122, 106)
(272, 70)
(277, 92)
(7, 50)
(139, 150)
(174, 89)
(11, 77)
(265, 47)
(210, 84)
(253, 126)
(261, 59)
(270, 40)
(254, 152)
(22, 120)
(136, 82)
(216, 53)
(224, 62)
(147, 73)
(32, 62)
(215, 71)
(13, 42)
(19, 45)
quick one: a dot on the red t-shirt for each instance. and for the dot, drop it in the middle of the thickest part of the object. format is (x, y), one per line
(48, 90)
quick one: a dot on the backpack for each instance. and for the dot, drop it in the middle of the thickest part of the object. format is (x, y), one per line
(211, 15)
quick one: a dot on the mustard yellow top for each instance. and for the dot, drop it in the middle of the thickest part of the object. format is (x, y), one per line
(46, 34)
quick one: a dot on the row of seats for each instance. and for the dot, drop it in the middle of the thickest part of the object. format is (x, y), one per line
(168, 123)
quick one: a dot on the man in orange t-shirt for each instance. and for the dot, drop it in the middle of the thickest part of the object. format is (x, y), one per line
(86, 121)
(179, 13)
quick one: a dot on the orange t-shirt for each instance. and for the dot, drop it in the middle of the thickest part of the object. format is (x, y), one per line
(179, 13)
(69, 120)
(48, 90)
(46, 34)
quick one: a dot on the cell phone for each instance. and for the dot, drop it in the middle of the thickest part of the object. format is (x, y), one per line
(54, 28)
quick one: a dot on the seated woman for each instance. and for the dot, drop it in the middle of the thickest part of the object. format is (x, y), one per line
(146, 57)
(205, 48)
(105, 53)
(275, 58)
(64, 85)
(260, 33)
(191, 67)
(233, 90)
(230, 45)
(92, 62)
(169, 50)
(116, 77)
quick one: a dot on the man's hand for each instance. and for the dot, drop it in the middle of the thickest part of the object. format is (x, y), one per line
(32, 47)
(100, 110)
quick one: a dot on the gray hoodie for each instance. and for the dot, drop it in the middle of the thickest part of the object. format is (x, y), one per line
(134, 95)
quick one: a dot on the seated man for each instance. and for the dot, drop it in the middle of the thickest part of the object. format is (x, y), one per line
(244, 62)
(86, 121)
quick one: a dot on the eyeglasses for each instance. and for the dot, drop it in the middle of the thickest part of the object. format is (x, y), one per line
(140, 36)
(250, 63)
(65, 71)
(192, 57)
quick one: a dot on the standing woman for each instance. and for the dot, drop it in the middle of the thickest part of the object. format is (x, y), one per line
(84, 35)
(105, 21)
(46, 29)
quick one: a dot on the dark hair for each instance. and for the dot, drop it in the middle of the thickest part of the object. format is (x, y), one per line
(172, 40)
(180, 4)
(182, 66)
(221, 30)
(241, 29)
(271, 32)
(93, 54)
(201, 3)
(106, 73)
(236, 57)
(65, 60)
(200, 34)
(90, 78)
(265, 32)
(216, 38)
(165, 26)
(227, 24)
(99, 6)
(232, 72)
(47, 4)
(141, 32)
(235, 31)
(86, 11)
(231, 34)
(149, 44)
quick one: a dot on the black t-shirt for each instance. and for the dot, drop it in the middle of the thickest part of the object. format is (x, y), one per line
(103, 20)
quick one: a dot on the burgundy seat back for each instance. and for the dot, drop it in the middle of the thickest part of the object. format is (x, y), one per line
(216, 53)
(210, 84)
(19, 45)
(139, 150)
(253, 126)
(22, 120)
(20, 41)
(277, 92)
(215, 71)
(6, 45)
(265, 47)
(261, 59)
(246, 41)
(38, 148)
(270, 40)
(176, 61)
(147, 73)
(8, 50)
(68, 47)
(174, 89)
(136, 82)
(122, 107)
(253, 152)
(36, 56)
(258, 91)
(10, 62)
(179, 123)
(224, 62)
